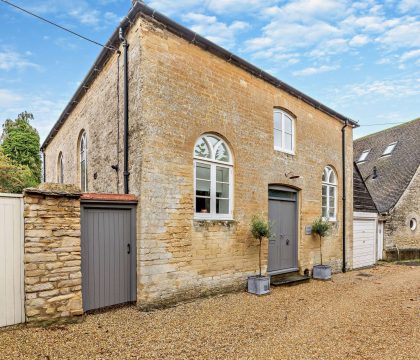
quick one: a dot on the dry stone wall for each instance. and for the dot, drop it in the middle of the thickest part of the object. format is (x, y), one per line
(52, 252)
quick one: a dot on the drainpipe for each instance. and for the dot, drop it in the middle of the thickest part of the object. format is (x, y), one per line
(343, 154)
(126, 173)
(43, 166)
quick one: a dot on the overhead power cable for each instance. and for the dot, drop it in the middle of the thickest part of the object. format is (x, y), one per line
(59, 26)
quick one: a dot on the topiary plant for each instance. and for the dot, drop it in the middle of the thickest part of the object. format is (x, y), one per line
(260, 228)
(321, 227)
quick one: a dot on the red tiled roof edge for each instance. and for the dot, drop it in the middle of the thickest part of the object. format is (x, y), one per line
(108, 197)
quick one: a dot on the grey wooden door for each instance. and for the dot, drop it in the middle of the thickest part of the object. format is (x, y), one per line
(282, 246)
(108, 256)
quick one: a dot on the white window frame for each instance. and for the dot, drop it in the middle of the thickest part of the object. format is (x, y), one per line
(212, 215)
(283, 132)
(83, 158)
(363, 156)
(390, 148)
(60, 168)
(329, 185)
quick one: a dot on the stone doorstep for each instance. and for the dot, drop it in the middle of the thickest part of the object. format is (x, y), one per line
(288, 279)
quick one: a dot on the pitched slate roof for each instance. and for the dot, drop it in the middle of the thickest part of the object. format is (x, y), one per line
(362, 201)
(141, 9)
(395, 171)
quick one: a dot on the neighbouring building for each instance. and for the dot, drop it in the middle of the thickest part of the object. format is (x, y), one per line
(212, 141)
(388, 162)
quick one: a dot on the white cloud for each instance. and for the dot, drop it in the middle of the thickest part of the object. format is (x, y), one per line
(214, 30)
(359, 40)
(8, 98)
(405, 34)
(315, 70)
(11, 60)
(408, 5)
(409, 55)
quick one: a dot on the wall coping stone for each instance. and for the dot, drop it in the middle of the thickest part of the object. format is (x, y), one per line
(58, 190)
(108, 197)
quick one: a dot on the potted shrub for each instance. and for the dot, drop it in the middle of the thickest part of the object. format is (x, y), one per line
(321, 227)
(260, 229)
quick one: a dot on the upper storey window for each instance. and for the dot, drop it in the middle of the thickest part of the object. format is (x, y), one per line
(329, 194)
(389, 149)
(284, 132)
(213, 178)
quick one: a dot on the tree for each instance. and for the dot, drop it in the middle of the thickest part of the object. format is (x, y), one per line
(321, 227)
(14, 178)
(260, 228)
(20, 143)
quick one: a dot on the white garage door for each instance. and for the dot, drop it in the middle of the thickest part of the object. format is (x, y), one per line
(364, 240)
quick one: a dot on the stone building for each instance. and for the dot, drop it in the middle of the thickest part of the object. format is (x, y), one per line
(389, 164)
(212, 141)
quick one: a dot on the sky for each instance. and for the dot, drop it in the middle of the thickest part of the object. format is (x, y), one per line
(361, 58)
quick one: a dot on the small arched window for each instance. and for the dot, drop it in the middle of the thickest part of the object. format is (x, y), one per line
(329, 194)
(213, 178)
(83, 162)
(60, 168)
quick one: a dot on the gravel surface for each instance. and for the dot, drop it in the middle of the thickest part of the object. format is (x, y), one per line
(367, 314)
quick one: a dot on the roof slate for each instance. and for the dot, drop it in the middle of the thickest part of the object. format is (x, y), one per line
(362, 201)
(394, 171)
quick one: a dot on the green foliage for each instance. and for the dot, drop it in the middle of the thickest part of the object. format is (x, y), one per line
(260, 228)
(321, 227)
(20, 143)
(13, 177)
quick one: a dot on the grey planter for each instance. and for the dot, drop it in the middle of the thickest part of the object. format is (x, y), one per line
(321, 272)
(259, 285)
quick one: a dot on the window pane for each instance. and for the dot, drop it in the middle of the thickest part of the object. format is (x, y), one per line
(203, 171)
(222, 190)
(222, 174)
(288, 139)
(201, 149)
(202, 188)
(83, 176)
(222, 153)
(212, 140)
(202, 205)
(331, 191)
(325, 175)
(332, 202)
(324, 201)
(277, 139)
(324, 190)
(281, 194)
(324, 212)
(222, 206)
(331, 213)
(288, 125)
(277, 120)
(331, 180)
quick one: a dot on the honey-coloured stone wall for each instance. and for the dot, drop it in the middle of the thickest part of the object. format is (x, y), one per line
(53, 278)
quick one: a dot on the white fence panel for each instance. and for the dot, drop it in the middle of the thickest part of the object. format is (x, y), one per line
(11, 260)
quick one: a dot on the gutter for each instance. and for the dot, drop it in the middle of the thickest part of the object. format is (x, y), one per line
(343, 155)
(140, 9)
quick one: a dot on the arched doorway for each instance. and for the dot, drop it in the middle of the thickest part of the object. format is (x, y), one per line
(283, 244)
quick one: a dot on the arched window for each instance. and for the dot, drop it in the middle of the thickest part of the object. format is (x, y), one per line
(213, 178)
(329, 194)
(284, 132)
(83, 162)
(60, 168)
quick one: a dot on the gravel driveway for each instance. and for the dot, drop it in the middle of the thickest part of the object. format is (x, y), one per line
(368, 314)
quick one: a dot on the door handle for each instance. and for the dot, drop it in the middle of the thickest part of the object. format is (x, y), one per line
(128, 248)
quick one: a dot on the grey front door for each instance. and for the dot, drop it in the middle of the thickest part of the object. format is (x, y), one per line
(108, 256)
(282, 246)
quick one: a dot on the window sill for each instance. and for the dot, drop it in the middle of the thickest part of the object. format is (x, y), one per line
(207, 222)
(284, 151)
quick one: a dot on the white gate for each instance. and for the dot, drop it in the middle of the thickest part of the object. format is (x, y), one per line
(11, 260)
(364, 239)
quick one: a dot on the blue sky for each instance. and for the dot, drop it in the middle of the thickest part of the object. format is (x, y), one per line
(360, 58)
